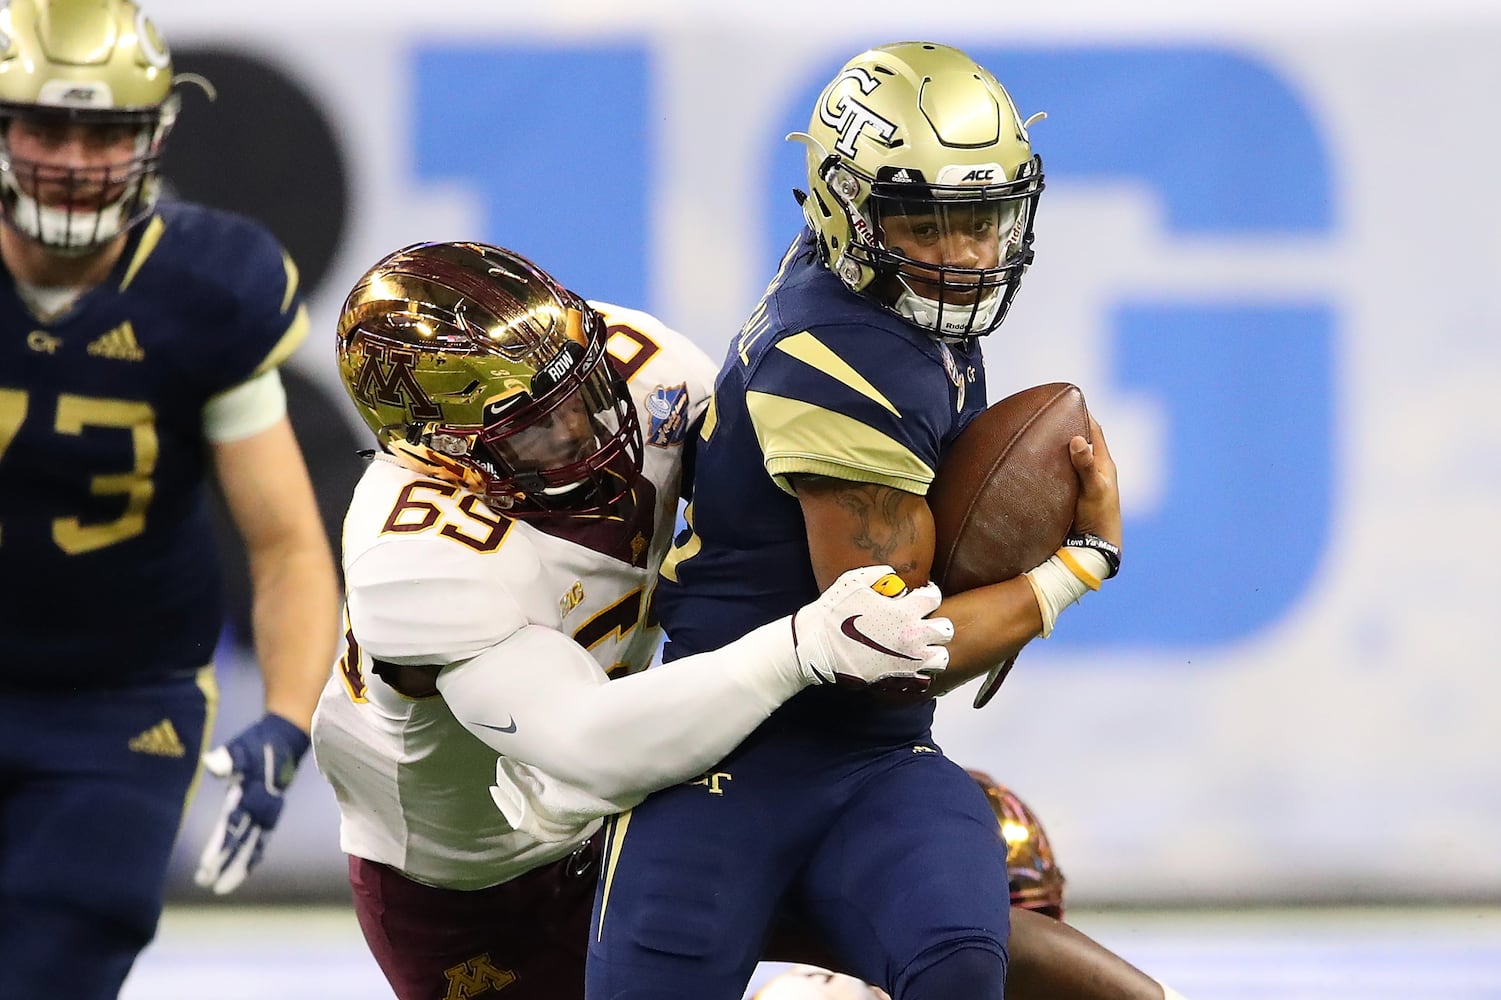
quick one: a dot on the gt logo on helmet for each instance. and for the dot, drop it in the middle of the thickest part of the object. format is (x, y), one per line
(850, 117)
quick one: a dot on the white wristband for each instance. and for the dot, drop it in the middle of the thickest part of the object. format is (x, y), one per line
(1067, 576)
(1088, 565)
(1168, 993)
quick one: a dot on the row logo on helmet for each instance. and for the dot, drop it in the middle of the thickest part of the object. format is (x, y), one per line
(553, 370)
(667, 407)
(850, 117)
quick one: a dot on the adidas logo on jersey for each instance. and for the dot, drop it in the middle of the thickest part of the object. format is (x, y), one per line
(119, 344)
(160, 740)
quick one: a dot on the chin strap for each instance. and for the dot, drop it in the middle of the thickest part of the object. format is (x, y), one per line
(66, 232)
(925, 312)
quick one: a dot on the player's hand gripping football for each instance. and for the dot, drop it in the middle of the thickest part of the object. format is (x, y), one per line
(259, 763)
(1098, 510)
(868, 629)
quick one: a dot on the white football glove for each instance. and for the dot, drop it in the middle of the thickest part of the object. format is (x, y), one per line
(869, 630)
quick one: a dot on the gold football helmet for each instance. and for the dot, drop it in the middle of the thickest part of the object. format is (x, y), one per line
(1036, 880)
(473, 365)
(923, 186)
(67, 63)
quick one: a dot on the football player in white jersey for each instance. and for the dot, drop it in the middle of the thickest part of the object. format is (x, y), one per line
(500, 555)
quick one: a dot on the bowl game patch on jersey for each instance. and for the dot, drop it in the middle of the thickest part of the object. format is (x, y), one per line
(667, 412)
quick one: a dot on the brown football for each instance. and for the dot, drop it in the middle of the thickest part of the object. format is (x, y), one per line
(1003, 499)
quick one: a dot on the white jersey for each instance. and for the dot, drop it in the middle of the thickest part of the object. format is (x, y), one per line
(433, 576)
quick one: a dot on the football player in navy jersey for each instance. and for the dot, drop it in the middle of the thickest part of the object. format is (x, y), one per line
(138, 352)
(499, 556)
(834, 406)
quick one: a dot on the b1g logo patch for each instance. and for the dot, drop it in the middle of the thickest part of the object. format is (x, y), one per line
(667, 406)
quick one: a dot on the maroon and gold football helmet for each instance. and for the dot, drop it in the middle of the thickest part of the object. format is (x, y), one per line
(473, 365)
(1036, 880)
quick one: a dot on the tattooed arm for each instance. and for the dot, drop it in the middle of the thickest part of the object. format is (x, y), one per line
(853, 524)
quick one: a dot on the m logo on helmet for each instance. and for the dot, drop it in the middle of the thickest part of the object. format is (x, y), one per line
(388, 377)
(851, 118)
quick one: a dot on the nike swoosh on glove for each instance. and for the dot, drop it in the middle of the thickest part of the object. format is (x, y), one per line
(869, 630)
(260, 763)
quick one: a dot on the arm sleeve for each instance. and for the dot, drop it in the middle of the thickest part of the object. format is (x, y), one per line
(247, 409)
(541, 699)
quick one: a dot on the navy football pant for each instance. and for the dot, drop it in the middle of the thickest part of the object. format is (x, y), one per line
(891, 856)
(86, 828)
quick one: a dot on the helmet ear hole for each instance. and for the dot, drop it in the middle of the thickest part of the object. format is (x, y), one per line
(823, 206)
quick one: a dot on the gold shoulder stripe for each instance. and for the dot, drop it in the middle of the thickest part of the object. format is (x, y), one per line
(295, 334)
(798, 437)
(290, 266)
(813, 352)
(149, 239)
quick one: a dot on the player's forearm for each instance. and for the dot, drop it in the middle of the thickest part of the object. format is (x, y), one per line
(630, 736)
(990, 625)
(295, 621)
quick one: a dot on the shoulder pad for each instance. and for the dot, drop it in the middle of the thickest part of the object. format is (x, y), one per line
(425, 600)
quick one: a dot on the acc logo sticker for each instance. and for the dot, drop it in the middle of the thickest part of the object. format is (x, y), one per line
(667, 406)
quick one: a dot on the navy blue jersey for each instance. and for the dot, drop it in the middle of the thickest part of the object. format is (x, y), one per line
(107, 567)
(819, 381)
